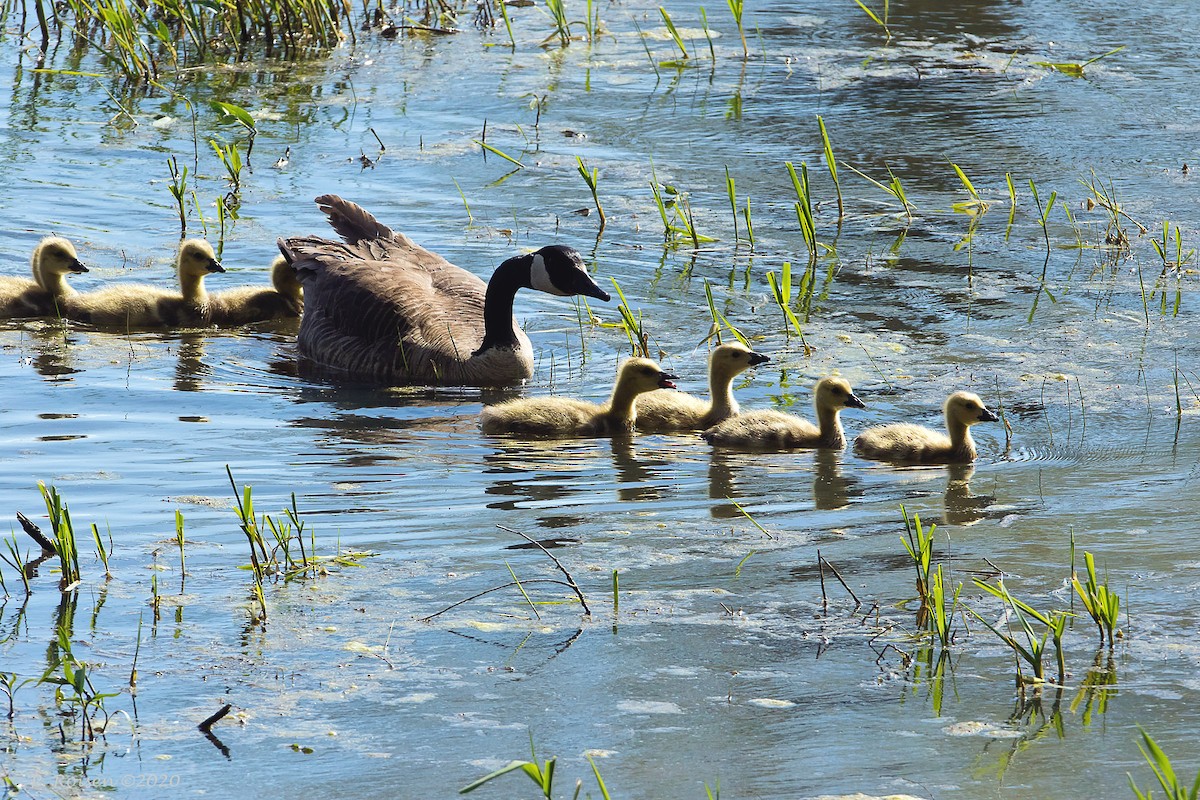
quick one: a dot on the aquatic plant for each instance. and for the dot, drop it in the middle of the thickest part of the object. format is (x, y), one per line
(893, 187)
(75, 687)
(976, 205)
(592, 178)
(918, 542)
(542, 775)
(15, 560)
(804, 212)
(1034, 647)
(737, 8)
(1164, 772)
(719, 320)
(178, 187)
(466, 205)
(1043, 220)
(680, 227)
(64, 536)
(101, 551)
(562, 27)
(1101, 603)
(749, 224)
(675, 37)
(881, 22)
(1170, 266)
(831, 164)
(731, 191)
(1074, 68)
(633, 326)
(781, 291)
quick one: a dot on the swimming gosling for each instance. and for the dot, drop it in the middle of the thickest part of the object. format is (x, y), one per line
(135, 305)
(53, 259)
(667, 410)
(774, 430)
(915, 444)
(560, 416)
(248, 304)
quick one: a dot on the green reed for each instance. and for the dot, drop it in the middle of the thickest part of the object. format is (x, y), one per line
(893, 187)
(646, 47)
(101, 551)
(1075, 68)
(73, 679)
(880, 21)
(781, 290)
(1164, 773)
(542, 774)
(918, 541)
(64, 535)
(831, 164)
(178, 187)
(1170, 267)
(633, 325)
(498, 152)
(512, 42)
(804, 212)
(712, 50)
(1032, 651)
(719, 320)
(1043, 221)
(675, 37)
(15, 560)
(562, 26)
(592, 179)
(680, 226)
(1101, 603)
(737, 8)
(976, 204)
(942, 607)
(731, 191)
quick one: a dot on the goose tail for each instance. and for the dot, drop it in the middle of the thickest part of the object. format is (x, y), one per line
(351, 221)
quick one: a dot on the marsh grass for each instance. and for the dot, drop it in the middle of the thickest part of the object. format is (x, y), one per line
(592, 178)
(731, 192)
(718, 319)
(918, 543)
(490, 149)
(75, 690)
(679, 226)
(1029, 647)
(804, 208)
(877, 19)
(976, 204)
(675, 37)
(64, 536)
(1164, 773)
(1075, 68)
(831, 165)
(178, 187)
(632, 324)
(893, 188)
(562, 26)
(1174, 259)
(781, 291)
(738, 8)
(1043, 219)
(542, 775)
(1101, 603)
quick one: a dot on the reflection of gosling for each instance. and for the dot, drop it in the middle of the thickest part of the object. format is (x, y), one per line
(776, 430)
(250, 304)
(549, 416)
(138, 305)
(666, 410)
(914, 444)
(53, 259)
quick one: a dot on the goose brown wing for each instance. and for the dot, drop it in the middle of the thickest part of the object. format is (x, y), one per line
(369, 312)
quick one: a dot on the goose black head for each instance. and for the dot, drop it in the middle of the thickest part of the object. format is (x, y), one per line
(558, 269)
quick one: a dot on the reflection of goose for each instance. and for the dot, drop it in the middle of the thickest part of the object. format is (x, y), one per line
(831, 489)
(548, 416)
(775, 430)
(138, 305)
(248, 304)
(963, 507)
(381, 307)
(914, 444)
(53, 259)
(666, 410)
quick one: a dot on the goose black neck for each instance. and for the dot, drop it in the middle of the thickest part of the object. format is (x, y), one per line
(498, 330)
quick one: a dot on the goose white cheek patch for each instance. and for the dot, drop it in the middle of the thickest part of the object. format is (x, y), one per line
(539, 277)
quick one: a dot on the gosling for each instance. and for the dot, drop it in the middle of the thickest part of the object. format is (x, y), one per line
(133, 305)
(915, 444)
(558, 416)
(250, 304)
(665, 410)
(774, 430)
(53, 259)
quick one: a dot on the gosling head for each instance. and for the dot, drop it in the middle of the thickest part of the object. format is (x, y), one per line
(283, 278)
(966, 408)
(643, 375)
(54, 255)
(730, 359)
(836, 394)
(559, 270)
(196, 258)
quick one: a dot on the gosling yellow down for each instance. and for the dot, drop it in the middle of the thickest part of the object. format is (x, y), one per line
(241, 306)
(667, 410)
(53, 259)
(134, 305)
(775, 430)
(915, 444)
(560, 416)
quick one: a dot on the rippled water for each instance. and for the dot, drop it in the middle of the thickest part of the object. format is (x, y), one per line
(722, 663)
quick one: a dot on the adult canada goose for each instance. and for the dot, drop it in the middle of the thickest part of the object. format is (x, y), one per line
(916, 444)
(53, 259)
(132, 305)
(665, 410)
(378, 306)
(252, 304)
(560, 416)
(774, 430)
